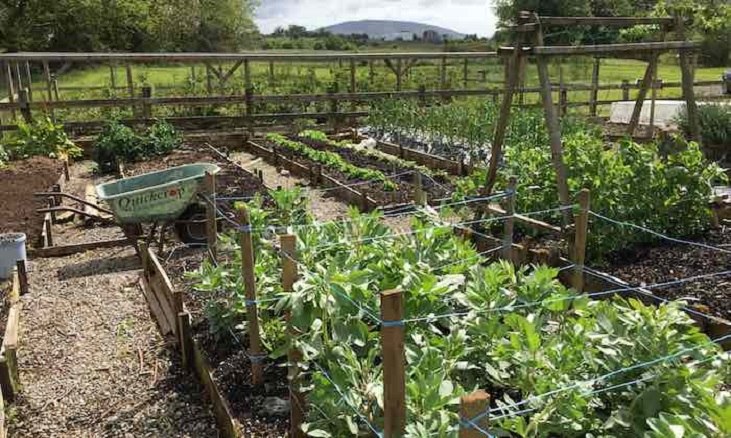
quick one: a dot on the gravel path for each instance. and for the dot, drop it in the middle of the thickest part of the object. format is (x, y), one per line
(92, 361)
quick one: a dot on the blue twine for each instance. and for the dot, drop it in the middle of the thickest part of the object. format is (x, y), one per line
(660, 235)
(394, 323)
(342, 397)
(602, 377)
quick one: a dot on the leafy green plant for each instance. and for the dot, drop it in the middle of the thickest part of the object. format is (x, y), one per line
(714, 122)
(332, 160)
(516, 332)
(369, 152)
(120, 142)
(41, 137)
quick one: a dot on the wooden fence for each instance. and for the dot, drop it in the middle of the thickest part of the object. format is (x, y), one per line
(23, 100)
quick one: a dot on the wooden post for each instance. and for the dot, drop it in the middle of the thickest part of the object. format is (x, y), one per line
(510, 219)
(209, 191)
(29, 81)
(625, 89)
(54, 83)
(443, 74)
(112, 77)
(465, 73)
(686, 70)
(554, 130)
(646, 83)
(184, 333)
(209, 79)
(247, 74)
(334, 120)
(353, 85)
(582, 229)
(271, 73)
(371, 72)
(563, 97)
(419, 194)
(146, 95)
(594, 98)
(398, 72)
(252, 313)
(47, 77)
(47, 224)
(11, 85)
(470, 406)
(130, 85)
(66, 170)
(505, 106)
(294, 356)
(24, 105)
(653, 99)
(394, 378)
(22, 276)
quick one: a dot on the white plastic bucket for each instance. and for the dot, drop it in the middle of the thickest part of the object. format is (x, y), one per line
(12, 249)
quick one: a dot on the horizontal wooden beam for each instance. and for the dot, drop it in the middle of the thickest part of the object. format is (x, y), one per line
(607, 49)
(605, 21)
(64, 250)
(247, 56)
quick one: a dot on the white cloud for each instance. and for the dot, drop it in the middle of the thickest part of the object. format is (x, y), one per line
(465, 16)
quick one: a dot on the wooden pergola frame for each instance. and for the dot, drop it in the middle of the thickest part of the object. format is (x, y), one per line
(529, 41)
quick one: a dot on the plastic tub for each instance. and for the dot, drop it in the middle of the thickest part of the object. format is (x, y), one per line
(12, 249)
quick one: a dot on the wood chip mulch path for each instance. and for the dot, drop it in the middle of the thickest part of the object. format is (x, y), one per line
(92, 361)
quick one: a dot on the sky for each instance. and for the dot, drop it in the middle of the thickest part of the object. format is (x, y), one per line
(464, 16)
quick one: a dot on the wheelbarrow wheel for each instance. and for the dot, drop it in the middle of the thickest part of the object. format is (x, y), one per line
(191, 225)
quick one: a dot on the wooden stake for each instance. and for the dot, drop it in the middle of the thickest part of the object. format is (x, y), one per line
(470, 406)
(11, 85)
(399, 63)
(54, 83)
(510, 220)
(646, 83)
(465, 73)
(185, 338)
(209, 190)
(394, 374)
(513, 76)
(23, 101)
(594, 98)
(130, 84)
(47, 77)
(582, 229)
(22, 276)
(146, 108)
(686, 70)
(112, 77)
(29, 80)
(294, 356)
(252, 313)
(625, 89)
(554, 130)
(66, 170)
(419, 195)
(443, 74)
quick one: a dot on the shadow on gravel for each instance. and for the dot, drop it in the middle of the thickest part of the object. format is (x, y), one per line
(99, 267)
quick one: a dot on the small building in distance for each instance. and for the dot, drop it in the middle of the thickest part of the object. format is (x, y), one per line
(432, 36)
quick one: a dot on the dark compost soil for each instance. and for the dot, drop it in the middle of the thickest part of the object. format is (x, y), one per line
(18, 182)
(660, 263)
(403, 194)
(227, 355)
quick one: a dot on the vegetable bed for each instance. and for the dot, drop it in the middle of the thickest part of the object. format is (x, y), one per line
(357, 170)
(555, 363)
(19, 181)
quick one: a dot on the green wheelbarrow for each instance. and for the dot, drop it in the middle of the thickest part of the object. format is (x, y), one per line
(167, 196)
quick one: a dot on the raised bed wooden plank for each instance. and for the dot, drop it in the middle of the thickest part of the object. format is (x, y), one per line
(528, 221)
(9, 374)
(155, 309)
(64, 250)
(221, 409)
(162, 290)
(423, 158)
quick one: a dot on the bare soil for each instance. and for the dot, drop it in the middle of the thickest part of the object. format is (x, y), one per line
(666, 262)
(18, 182)
(227, 355)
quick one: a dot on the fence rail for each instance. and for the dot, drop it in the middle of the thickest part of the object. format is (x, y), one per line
(23, 100)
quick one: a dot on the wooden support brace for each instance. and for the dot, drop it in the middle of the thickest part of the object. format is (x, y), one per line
(646, 84)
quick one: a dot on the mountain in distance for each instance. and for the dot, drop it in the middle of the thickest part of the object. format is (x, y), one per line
(390, 30)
